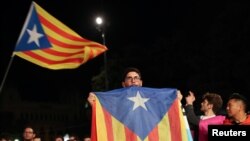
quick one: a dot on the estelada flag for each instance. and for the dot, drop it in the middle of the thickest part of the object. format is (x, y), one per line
(49, 43)
(138, 114)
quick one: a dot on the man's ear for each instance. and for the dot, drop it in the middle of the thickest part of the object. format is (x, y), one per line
(210, 106)
(241, 105)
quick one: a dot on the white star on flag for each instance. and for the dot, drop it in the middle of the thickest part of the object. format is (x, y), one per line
(34, 36)
(139, 101)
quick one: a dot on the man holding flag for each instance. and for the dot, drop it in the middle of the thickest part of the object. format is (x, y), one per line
(136, 113)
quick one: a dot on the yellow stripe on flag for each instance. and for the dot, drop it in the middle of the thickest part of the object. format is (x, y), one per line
(118, 130)
(164, 129)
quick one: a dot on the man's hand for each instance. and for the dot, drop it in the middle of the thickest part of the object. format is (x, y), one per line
(179, 95)
(190, 98)
(91, 98)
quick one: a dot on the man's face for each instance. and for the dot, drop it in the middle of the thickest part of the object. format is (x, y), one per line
(72, 139)
(233, 106)
(205, 106)
(132, 79)
(87, 139)
(28, 134)
(58, 139)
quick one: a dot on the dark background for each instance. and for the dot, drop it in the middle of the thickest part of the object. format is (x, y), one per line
(190, 45)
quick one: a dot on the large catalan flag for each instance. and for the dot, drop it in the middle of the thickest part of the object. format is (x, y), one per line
(47, 42)
(138, 114)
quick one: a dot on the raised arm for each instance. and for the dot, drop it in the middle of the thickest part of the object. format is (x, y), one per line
(191, 116)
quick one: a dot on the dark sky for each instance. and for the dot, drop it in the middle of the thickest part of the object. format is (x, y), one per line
(190, 45)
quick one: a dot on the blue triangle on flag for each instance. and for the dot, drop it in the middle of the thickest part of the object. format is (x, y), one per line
(139, 119)
(33, 36)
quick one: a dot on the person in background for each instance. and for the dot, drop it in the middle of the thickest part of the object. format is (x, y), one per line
(58, 138)
(86, 138)
(131, 77)
(37, 139)
(237, 110)
(29, 133)
(4, 137)
(210, 106)
(73, 137)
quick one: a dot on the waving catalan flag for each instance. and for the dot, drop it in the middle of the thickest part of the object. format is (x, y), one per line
(47, 42)
(138, 114)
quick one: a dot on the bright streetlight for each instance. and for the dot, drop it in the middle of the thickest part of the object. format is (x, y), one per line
(98, 20)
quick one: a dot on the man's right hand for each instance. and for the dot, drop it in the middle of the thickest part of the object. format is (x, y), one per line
(91, 98)
(190, 98)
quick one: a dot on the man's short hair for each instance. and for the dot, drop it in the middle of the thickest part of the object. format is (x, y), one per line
(31, 127)
(215, 99)
(130, 69)
(240, 97)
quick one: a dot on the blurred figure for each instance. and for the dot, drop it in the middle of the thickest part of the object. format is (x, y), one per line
(237, 110)
(86, 137)
(59, 138)
(73, 138)
(5, 137)
(29, 133)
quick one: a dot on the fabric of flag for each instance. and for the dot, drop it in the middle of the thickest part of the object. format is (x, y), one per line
(138, 114)
(49, 43)
(190, 137)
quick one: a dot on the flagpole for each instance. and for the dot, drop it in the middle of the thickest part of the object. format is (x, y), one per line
(6, 73)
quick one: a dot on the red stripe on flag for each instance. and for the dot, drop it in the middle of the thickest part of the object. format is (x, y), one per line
(47, 61)
(93, 124)
(174, 121)
(108, 121)
(62, 54)
(154, 135)
(64, 45)
(97, 45)
(130, 136)
(55, 28)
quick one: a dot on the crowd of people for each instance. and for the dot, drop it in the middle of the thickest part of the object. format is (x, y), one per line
(211, 104)
(30, 134)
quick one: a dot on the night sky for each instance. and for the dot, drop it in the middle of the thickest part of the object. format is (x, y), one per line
(190, 45)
